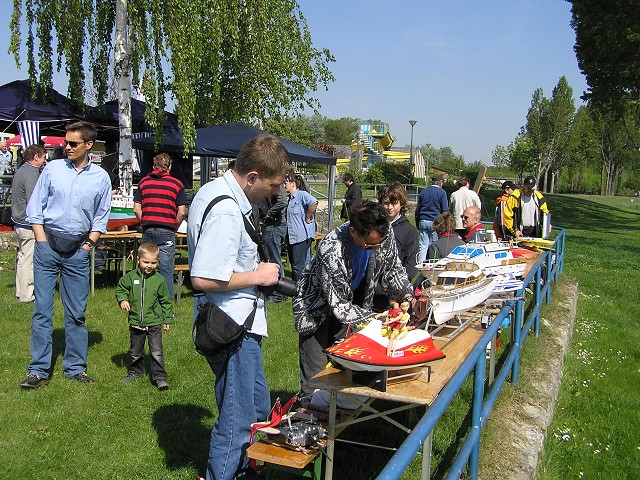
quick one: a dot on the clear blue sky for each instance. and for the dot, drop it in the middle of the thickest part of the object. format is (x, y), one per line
(464, 69)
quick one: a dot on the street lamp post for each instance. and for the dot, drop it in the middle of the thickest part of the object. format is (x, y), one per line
(412, 123)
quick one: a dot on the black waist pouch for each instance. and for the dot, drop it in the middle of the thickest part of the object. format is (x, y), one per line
(214, 330)
(64, 242)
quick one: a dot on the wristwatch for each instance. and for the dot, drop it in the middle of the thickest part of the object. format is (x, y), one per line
(89, 242)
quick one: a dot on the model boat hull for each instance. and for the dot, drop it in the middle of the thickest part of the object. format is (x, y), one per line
(367, 350)
(446, 305)
(121, 213)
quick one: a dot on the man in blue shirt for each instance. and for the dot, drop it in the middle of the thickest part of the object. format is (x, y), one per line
(225, 265)
(432, 201)
(68, 211)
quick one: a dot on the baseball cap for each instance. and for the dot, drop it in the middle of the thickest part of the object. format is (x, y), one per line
(508, 184)
(530, 181)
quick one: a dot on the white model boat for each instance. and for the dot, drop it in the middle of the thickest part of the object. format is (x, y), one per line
(459, 287)
(492, 256)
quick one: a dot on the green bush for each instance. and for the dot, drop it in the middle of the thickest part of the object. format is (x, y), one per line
(382, 173)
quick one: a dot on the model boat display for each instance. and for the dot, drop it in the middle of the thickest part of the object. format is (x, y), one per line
(494, 257)
(121, 214)
(367, 350)
(458, 288)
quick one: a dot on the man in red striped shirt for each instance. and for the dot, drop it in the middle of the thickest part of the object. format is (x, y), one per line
(160, 205)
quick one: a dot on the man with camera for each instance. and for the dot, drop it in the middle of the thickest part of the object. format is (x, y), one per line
(226, 267)
(335, 293)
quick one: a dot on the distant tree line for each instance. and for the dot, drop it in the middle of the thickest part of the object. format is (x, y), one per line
(319, 132)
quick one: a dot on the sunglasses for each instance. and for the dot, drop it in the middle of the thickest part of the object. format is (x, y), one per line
(72, 144)
(373, 246)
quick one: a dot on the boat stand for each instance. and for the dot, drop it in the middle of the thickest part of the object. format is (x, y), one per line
(455, 326)
(381, 379)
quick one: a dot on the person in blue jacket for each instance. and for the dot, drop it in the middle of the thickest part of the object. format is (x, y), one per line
(432, 201)
(301, 224)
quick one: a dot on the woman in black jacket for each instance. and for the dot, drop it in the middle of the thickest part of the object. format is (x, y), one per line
(354, 194)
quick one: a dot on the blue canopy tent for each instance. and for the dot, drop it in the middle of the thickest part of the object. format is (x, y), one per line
(227, 140)
(138, 121)
(32, 116)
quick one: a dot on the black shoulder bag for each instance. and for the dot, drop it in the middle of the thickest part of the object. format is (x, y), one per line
(214, 330)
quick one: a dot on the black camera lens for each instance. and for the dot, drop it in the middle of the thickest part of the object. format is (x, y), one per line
(287, 287)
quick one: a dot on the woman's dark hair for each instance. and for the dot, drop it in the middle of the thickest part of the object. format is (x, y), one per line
(297, 179)
(366, 216)
(394, 193)
(444, 223)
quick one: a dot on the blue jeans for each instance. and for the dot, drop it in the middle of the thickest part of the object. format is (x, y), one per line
(243, 398)
(299, 254)
(166, 241)
(74, 292)
(427, 236)
(272, 239)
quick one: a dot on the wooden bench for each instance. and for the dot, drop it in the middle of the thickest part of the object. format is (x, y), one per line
(278, 458)
(281, 459)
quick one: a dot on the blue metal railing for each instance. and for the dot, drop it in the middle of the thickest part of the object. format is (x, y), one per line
(548, 267)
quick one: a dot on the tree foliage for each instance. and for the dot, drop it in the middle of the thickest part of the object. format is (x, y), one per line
(230, 60)
(548, 126)
(341, 131)
(443, 158)
(608, 51)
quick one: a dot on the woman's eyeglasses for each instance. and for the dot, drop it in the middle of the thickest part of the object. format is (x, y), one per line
(71, 143)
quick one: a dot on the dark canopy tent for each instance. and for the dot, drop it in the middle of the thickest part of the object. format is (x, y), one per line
(138, 122)
(18, 105)
(227, 140)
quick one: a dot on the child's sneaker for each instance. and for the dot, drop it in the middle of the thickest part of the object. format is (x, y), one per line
(162, 385)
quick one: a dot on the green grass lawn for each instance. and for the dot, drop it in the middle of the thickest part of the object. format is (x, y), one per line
(68, 430)
(594, 433)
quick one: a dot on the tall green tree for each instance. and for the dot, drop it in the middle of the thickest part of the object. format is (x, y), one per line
(608, 51)
(341, 131)
(582, 153)
(522, 155)
(548, 127)
(229, 60)
(617, 152)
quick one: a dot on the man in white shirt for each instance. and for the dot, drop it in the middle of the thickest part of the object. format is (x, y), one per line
(461, 199)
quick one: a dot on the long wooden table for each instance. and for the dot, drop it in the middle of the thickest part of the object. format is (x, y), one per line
(411, 393)
(120, 240)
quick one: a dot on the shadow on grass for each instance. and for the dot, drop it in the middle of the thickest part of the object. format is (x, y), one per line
(58, 344)
(120, 360)
(182, 435)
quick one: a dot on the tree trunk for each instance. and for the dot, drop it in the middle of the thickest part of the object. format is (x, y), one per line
(123, 77)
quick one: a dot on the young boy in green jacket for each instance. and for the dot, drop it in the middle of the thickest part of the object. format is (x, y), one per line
(143, 293)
